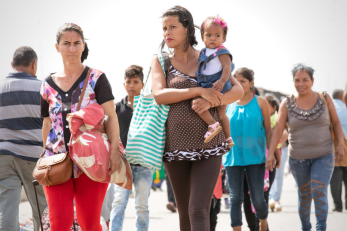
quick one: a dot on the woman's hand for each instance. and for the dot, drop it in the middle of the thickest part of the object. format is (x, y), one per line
(270, 162)
(212, 96)
(199, 105)
(115, 163)
(339, 153)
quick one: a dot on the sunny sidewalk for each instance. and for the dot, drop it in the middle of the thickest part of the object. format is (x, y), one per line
(163, 220)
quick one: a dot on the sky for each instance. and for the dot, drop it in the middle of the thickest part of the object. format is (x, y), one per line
(268, 36)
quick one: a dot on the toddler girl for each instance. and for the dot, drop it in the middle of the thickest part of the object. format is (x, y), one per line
(214, 71)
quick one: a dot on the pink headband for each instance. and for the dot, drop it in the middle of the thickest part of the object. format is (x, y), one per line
(218, 21)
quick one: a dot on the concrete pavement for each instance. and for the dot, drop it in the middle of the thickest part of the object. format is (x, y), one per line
(162, 219)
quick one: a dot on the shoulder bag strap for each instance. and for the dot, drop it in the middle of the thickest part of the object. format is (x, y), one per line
(321, 95)
(166, 60)
(83, 90)
(163, 61)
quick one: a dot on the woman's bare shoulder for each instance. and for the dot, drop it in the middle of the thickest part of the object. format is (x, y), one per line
(261, 100)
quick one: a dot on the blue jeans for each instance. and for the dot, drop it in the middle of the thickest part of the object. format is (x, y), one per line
(276, 189)
(312, 177)
(142, 179)
(255, 176)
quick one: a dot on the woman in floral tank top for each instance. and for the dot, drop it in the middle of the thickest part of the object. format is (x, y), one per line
(60, 95)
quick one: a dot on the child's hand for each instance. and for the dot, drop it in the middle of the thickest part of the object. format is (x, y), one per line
(218, 85)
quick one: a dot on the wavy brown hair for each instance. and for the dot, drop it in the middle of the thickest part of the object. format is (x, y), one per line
(186, 19)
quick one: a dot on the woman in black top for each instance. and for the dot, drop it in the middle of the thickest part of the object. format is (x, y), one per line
(60, 95)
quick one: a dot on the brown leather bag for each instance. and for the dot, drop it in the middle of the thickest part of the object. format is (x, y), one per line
(57, 169)
(344, 161)
(53, 170)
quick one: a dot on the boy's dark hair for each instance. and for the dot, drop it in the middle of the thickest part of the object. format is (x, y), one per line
(23, 56)
(186, 19)
(134, 71)
(211, 20)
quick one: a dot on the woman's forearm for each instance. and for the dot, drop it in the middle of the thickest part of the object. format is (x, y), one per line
(111, 125)
(234, 94)
(268, 134)
(172, 95)
(112, 129)
(164, 95)
(45, 131)
(275, 139)
(284, 136)
(46, 127)
(279, 128)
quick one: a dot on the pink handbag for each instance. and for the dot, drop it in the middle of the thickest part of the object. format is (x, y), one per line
(90, 148)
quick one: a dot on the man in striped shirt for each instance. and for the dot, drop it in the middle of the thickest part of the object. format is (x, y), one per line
(20, 138)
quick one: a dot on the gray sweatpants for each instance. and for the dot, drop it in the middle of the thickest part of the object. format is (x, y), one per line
(13, 173)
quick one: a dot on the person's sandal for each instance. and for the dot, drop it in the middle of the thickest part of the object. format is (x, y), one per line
(210, 135)
(230, 142)
(171, 206)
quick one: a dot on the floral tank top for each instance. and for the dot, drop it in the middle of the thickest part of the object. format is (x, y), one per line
(56, 104)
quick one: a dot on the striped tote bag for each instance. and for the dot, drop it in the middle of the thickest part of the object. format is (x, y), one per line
(146, 136)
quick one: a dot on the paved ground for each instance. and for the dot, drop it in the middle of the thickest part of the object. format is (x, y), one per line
(288, 220)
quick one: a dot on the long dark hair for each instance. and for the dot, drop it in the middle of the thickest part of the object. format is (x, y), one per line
(78, 30)
(186, 19)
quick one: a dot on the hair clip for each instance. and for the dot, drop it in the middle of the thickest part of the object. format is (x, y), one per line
(220, 21)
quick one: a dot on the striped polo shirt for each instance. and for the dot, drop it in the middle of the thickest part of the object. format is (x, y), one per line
(20, 118)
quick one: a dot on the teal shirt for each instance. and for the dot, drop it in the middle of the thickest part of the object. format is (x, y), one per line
(248, 132)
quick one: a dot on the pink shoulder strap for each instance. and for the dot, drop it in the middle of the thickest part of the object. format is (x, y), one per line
(220, 47)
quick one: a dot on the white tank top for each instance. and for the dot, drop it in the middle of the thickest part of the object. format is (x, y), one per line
(212, 67)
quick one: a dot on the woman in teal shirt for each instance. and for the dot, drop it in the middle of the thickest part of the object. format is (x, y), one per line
(251, 131)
